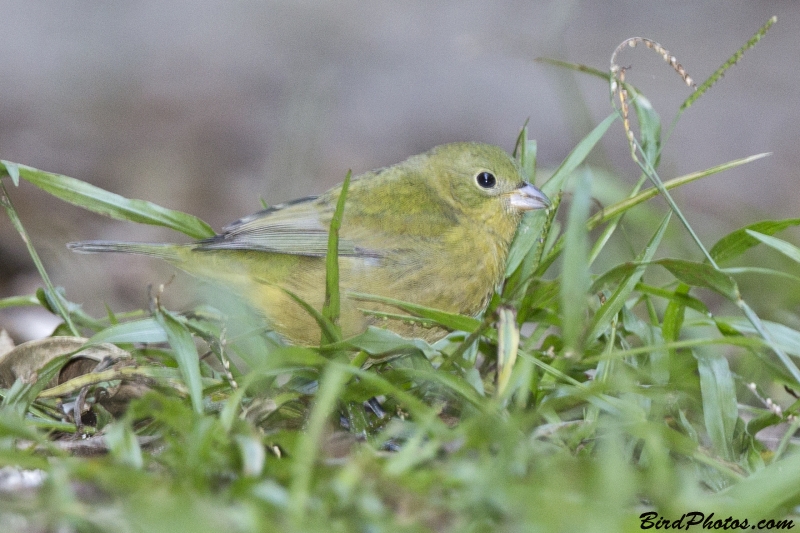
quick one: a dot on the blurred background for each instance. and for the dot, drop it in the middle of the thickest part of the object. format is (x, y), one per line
(208, 107)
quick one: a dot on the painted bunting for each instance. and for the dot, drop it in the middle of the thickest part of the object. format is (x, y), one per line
(433, 230)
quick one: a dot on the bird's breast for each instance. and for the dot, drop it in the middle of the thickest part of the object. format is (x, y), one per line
(453, 272)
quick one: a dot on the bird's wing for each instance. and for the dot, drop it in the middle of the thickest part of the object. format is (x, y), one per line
(299, 227)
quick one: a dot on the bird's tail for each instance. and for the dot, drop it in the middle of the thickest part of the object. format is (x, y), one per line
(168, 252)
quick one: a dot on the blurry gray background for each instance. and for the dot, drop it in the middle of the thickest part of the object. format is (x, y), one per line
(208, 106)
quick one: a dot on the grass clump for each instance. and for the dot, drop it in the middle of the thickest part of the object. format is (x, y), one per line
(603, 398)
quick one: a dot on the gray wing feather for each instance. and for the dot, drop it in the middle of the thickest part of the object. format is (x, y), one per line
(299, 227)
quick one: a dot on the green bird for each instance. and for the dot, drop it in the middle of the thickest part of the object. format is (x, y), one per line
(434, 230)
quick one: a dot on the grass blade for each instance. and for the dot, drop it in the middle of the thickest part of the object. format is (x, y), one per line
(147, 330)
(788, 338)
(575, 280)
(507, 346)
(107, 203)
(330, 309)
(452, 321)
(613, 211)
(736, 243)
(12, 169)
(52, 295)
(620, 207)
(718, 393)
(330, 386)
(757, 323)
(762, 271)
(577, 156)
(702, 275)
(186, 355)
(614, 303)
(789, 250)
(328, 329)
(772, 491)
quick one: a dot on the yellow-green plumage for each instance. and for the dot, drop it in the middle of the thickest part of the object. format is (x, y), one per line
(428, 230)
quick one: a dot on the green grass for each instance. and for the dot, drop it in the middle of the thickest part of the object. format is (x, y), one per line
(584, 398)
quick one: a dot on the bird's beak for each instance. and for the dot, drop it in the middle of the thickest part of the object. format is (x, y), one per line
(527, 198)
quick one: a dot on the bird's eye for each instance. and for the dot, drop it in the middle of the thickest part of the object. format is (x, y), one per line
(486, 180)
